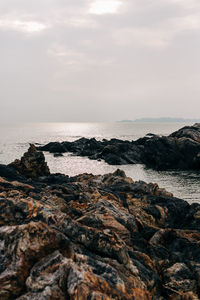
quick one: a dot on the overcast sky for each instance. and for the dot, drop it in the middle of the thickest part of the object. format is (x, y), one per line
(99, 60)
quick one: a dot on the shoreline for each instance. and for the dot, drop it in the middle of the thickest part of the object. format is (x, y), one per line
(178, 151)
(93, 236)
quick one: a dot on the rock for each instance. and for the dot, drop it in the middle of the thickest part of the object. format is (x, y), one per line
(179, 280)
(114, 152)
(165, 153)
(96, 237)
(57, 154)
(22, 246)
(190, 132)
(9, 172)
(180, 150)
(32, 164)
(179, 249)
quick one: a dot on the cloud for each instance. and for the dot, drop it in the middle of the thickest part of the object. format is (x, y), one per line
(81, 22)
(137, 53)
(17, 24)
(186, 23)
(160, 36)
(66, 56)
(141, 37)
(101, 7)
(76, 59)
(186, 4)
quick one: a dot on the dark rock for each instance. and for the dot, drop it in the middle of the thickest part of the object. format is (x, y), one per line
(165, 153)
(57, 154)
(9, 173)
(114, 152)
(180, 150)
(190, 132)
(179, 280)
(32, 164)
(53, 147)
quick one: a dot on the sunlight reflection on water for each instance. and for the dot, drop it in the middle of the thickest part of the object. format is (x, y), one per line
(15, 139)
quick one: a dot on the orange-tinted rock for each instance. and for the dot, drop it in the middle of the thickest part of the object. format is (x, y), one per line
(23, 246)
(96, 237)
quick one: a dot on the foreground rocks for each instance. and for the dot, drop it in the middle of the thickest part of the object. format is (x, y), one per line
(95, 237)
(180, 150)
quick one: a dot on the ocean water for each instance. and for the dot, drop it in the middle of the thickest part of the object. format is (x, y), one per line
(15, 139)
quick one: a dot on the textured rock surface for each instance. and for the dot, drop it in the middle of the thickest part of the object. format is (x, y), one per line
(96, 237)
(32, 164)
(180, 150)
(114, 152)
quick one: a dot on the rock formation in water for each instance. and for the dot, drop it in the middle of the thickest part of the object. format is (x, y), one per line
(114, 151)
(180, 150)
(32, 163)
(95, 237)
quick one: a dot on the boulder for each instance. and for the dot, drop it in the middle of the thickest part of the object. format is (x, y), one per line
(32, 164)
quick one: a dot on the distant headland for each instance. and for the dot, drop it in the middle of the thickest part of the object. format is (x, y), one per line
(161, 120)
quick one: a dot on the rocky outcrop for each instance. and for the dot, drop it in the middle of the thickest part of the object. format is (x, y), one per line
(114, 152)
(9, 172)
(96, 237)
(32, 164)
(180, 150)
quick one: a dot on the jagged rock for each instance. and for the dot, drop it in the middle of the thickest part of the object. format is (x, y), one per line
(21, 247)
(180, 150)
(32, 164)
(96, 237)
(179, 280)
(114, 152)
(9, 172)
(190, 132)
(165, 153)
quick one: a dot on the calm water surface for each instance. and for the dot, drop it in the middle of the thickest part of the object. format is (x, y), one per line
(15, 139)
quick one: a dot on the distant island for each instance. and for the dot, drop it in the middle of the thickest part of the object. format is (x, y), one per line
(161, 120)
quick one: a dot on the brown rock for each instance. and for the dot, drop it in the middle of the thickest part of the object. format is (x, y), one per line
(32, 164)
(95, 237)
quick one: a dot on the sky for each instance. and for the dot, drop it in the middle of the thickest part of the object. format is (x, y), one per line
(99, 60)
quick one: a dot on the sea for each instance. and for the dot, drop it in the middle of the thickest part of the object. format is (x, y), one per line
(15, 139)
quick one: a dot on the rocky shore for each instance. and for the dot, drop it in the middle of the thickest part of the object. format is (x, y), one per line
(96, 237)
(179, 150)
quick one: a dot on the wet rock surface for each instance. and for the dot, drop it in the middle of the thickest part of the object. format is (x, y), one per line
(96, 237)
(180, 150)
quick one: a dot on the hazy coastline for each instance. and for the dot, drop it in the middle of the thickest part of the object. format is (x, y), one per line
(162, 120)
(15, 141)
